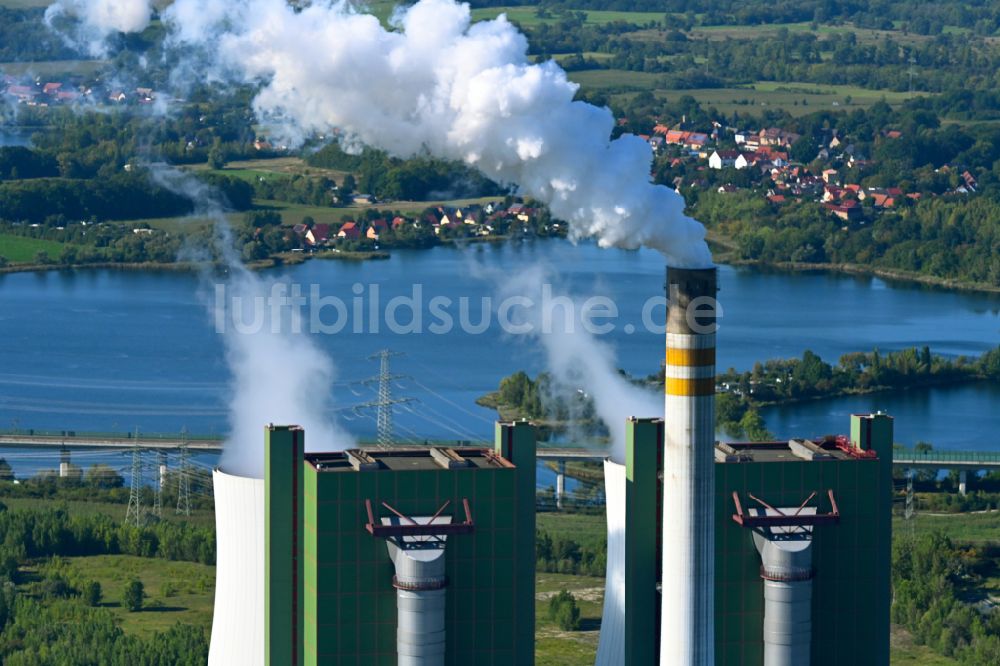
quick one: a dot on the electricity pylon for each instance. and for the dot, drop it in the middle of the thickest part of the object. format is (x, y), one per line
(133, 515)
(161, 465)
(183, 484)
(385, 401)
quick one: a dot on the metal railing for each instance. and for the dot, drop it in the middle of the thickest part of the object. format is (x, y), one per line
(959, 457)
(88, 434)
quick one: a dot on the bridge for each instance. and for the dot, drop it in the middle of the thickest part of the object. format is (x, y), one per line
(70, 439)
(963, 461)
(65, 440)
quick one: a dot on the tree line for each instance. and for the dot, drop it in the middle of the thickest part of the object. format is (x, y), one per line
(929, 575)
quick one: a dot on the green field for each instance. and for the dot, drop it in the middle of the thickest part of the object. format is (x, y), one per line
(21, 250)
(527, 16)
(190, 600)
(617, 80)
(555, 647)
(795, 97)
(864, 35)
(959, 527)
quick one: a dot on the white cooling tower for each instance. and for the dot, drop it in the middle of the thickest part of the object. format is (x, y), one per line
(238, 622)
(611, 647)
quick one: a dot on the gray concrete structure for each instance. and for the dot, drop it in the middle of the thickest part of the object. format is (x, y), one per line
(786, 568)
(420, 583)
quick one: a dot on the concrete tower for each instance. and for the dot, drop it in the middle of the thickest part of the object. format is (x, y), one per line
(238, 619)
(687, 635)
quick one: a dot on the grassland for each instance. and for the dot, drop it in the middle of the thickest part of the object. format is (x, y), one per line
(252, 170)
(555, 647)
(863, 35)
(20, 250)
(528, 16)
(174, 591)
(975, 528)
(795, 97)
(203, 518)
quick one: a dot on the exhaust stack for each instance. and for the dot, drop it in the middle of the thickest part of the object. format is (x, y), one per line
(687, 632)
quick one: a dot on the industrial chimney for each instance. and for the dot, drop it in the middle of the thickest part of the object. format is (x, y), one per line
(687, 635)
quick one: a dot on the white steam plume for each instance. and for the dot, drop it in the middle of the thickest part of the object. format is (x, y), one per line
(99, 19)
(577, 359)
(279, 374)
(440, 84)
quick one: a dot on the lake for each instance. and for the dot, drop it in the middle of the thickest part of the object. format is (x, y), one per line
(120, 350)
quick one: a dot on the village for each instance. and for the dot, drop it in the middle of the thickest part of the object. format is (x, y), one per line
(35, 91)
(434, 225)
(763, 157)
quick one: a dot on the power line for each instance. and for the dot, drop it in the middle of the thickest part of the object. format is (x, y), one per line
(385, 401)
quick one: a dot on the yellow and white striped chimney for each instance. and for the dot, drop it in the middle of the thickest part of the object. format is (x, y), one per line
(687, 632)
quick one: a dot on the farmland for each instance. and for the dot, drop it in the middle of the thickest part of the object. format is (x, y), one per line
(21, 250)
(528, 16)
(794, 97)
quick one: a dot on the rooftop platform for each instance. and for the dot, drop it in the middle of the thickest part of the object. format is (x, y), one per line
(802, 450)
(405, 459)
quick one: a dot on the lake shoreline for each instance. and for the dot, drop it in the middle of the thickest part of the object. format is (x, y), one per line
(277, 261)
(722, 258)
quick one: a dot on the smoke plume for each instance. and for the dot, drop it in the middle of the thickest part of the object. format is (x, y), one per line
(279, 374)
(96, 20)
(577, 360)
(435, 83)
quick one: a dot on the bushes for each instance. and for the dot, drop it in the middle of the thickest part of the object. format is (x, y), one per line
(27, 534)
(564, 611)
(569, 557)
(92, 593)
(68, 632)
(132, 596)
(928, 573)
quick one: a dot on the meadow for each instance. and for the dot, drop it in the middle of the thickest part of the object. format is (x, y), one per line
(528, 16)
(795, 97)
(21, 250)
(174, 591)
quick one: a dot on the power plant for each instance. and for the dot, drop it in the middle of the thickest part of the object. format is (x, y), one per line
(400, 556)
(737, 554)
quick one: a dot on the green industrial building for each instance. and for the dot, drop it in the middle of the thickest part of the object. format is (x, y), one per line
(386, 556)
(404, 556)
(830, 498)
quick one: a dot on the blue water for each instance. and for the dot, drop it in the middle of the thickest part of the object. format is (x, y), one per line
(108, 350)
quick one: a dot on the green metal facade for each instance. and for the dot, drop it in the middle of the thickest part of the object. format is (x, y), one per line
(283, 538)
(851, 587)
(347, 587)
(643, 460)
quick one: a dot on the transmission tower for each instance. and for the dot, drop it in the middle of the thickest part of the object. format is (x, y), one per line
(161, 467)
(910, 501)
(385, 401)
(133, 515)
(183, 484)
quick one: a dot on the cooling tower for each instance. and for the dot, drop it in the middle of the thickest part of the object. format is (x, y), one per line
(688, 608)
(238, 621)
(611, 647)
